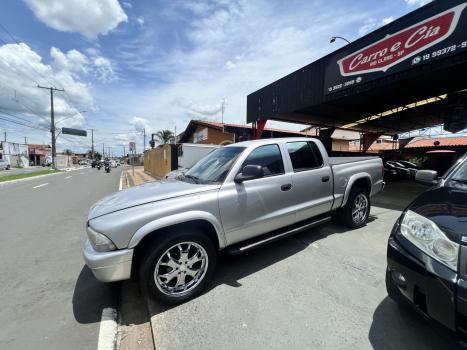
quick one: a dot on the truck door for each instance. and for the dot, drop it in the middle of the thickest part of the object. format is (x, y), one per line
(312, 182)
(258, 206)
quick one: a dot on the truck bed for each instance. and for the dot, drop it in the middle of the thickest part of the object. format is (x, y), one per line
(345, 160)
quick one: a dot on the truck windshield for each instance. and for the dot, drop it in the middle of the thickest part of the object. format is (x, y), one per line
(214, 167)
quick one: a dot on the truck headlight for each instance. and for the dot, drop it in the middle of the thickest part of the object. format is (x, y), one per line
(99, 242)
(427, 236)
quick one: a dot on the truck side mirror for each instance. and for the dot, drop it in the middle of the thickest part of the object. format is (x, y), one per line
(249, 172)
(427, 177)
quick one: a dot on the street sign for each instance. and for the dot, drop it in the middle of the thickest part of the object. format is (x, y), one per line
(132, 146)
(75, 132)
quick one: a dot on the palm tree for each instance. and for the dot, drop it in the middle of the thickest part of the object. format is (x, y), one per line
(165, 136)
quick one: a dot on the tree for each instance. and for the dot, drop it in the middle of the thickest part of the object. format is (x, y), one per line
(165, 136)
(97, 155)
(68, 152)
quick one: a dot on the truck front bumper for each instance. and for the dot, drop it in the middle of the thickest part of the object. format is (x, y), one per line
(108, 266)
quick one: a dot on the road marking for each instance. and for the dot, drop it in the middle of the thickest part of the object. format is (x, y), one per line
(81, 173)
(121, 181)
(108, 329)
(68, 177)
(41, 185)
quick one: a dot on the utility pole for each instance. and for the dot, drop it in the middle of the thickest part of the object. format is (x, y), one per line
(5, 136)
(92, 143)
(124, 151)
(25, 140)
(52, 120)
(144, 139)
(103, 151)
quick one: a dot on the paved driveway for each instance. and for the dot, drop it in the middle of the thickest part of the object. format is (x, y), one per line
(322, 289)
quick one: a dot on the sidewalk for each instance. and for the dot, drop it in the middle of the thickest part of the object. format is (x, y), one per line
(138, 178)
(135, 331)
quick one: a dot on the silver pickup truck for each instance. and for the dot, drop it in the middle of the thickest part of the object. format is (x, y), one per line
(237, 198)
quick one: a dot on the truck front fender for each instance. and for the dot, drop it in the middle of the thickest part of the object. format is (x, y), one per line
(179, 219)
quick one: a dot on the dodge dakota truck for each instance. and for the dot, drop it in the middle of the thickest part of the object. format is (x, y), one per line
(237, 198)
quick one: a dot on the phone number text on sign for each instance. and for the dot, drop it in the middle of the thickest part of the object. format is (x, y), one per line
(438, 53)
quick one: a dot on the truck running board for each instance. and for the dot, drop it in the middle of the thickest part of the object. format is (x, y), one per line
(276, 235)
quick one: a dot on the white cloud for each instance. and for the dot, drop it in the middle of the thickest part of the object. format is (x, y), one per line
(140, 124)
(78, 64)
(87, 17)
(21, 69)
(140, 20)
(387, 20)
(372, 24)
(127, 4)
(201, 110)
(73, 60)
(103, 69)
(417, 2)
(230, 65)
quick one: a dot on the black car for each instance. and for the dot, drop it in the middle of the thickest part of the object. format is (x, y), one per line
(427, 250)
(393, 170)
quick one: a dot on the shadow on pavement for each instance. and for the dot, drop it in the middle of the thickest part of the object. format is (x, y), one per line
(90, 297)
(231, 269)
(398, 194)
(399, 327)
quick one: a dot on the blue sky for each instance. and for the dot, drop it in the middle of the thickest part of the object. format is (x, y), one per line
(157, 64)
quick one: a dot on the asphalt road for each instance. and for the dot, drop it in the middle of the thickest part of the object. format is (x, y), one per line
(321, 289)
(48, 298)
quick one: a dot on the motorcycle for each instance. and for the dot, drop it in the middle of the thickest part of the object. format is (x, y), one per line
(99, 167)
(107, 168)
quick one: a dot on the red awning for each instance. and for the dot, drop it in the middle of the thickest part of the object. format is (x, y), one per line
(441, 151)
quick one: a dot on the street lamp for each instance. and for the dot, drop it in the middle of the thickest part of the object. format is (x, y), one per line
(333, 38)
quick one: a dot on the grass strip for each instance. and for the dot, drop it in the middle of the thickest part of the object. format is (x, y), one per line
(26, 175)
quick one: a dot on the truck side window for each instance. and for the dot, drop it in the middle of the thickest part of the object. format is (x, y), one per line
(304, 155)
(269, 157)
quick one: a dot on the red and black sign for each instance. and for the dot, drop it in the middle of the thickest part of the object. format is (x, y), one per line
(403, 47)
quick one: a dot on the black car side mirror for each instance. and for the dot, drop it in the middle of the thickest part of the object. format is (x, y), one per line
(249, 172)
(427, 177)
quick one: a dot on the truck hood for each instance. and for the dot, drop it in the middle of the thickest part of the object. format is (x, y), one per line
(147, 193)
(446, 207)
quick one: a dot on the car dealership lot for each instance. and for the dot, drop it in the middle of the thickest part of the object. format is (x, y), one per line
(322, 289)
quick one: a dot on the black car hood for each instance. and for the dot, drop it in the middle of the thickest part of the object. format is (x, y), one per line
(445, 206)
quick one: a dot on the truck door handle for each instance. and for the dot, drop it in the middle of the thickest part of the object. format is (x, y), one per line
(286, 187)
(325, 178)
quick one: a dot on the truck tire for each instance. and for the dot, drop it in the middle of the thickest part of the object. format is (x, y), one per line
(178, 266)
(355, 213)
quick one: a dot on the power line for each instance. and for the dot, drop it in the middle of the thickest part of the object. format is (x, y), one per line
(24, 120)
(20, 123)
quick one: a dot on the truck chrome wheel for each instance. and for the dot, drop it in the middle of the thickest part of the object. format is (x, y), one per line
(181, 268)
(359, 208)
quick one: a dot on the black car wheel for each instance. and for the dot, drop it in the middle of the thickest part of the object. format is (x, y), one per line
(178, 266)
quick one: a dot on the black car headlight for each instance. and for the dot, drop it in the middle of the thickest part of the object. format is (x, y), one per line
(428, 237)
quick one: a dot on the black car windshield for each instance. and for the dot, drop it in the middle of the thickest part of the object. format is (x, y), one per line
(214, 167)
(460, 173)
